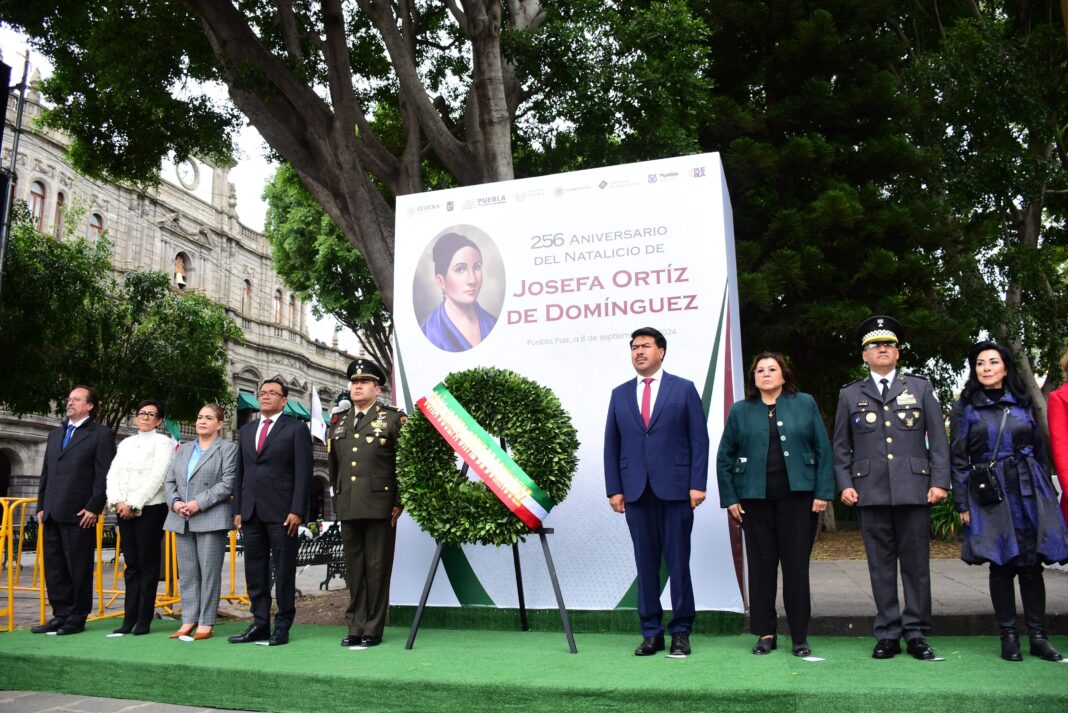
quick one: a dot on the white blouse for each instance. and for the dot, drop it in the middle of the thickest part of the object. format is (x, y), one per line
(137, 472)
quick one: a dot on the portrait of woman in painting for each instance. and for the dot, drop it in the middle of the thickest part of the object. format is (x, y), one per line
(459, 322)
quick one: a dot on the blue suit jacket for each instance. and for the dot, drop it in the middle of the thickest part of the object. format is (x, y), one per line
(671, 456)
(277, 480)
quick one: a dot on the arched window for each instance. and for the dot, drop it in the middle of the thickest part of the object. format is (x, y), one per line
(246, 297)
(278, 306)
(61, 201)
(37, 203)
(96, 226)
(181, 271)
(293, 312)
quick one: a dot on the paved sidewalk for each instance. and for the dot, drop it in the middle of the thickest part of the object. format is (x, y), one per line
(33, 702)
(842, 603)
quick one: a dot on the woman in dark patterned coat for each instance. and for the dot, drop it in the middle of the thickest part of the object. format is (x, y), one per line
(1025, 528)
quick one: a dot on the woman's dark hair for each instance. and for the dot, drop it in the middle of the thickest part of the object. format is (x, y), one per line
(153, 403)
(1013, 383)
(789, 386)
(447, 246)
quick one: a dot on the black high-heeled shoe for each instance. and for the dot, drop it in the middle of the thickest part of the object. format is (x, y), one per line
(765, 645)
(801, 648)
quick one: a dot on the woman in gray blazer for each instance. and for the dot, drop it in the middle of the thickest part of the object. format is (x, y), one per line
(198, 488)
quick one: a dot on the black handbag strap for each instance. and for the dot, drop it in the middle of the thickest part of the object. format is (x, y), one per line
(997, 441)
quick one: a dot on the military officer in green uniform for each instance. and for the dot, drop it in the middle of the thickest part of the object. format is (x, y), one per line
(891, 461)
(362, 454)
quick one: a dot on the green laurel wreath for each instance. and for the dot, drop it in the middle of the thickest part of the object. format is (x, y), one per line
(456, 510)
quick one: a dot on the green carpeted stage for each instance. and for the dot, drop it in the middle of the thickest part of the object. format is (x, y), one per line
(515, 671)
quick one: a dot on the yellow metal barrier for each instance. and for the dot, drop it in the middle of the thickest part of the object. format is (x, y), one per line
(12, 540)
(13, 515)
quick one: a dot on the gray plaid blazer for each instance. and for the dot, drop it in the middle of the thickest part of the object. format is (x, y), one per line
(211, 486)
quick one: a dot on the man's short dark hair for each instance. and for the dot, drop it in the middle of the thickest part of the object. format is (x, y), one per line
(92, 399)
(284, 389)
(661, 343)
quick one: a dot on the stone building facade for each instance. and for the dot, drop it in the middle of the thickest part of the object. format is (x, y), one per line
(187, 228)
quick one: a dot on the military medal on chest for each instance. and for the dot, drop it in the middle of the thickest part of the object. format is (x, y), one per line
(909, 417)
(379, 426)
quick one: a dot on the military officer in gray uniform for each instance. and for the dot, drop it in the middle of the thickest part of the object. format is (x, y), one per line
(891, 461)
(362, 454)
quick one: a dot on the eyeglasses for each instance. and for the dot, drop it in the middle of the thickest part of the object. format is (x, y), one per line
(876, 345)
(270, 393)
(147, 414)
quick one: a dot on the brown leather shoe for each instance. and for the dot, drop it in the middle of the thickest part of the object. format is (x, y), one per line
(183, 631)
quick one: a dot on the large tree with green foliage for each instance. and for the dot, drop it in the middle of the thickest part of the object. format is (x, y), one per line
(361, 98)
(147, 340)
(831, 221)
(65, 321)
(49, 287)
(994, 93)
(313, 257)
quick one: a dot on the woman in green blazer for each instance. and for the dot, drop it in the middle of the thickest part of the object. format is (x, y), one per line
(775, 473)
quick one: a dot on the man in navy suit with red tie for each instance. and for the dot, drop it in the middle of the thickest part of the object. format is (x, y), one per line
(270, 501)
(655, 470)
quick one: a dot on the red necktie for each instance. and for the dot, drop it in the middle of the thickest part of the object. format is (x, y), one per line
(263, 434)
(647, 397)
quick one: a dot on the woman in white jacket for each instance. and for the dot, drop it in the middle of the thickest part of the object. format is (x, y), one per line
(135, 491)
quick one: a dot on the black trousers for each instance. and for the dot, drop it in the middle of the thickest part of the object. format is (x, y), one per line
(898, 536)
(140, 543)
(69, 564)
(779, 532)
(264, 542)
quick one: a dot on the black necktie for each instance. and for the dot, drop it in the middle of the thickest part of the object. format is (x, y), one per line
(886, 388)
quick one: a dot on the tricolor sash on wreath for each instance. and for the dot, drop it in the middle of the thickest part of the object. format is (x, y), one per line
(486, 457)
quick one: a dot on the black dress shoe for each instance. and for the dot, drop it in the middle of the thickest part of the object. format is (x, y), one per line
(1010, 646)
(801, 648)
(124, 629)
(920, 649)
(1041, 647)
(352, 640)
(141, 629)
(680, 644)
(70, 628)
(650, 645)
(886, 649)
(278, 638)
(765, 645)
(48, 627)
(371, 640)
(253, 633)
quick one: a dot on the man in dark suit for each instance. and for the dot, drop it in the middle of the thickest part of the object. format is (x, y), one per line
(891, 461)
(362, 455)
(655, 469)
(69, 500)
(271, 493)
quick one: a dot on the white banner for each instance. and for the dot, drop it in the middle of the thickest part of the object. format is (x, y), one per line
(548, 277)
